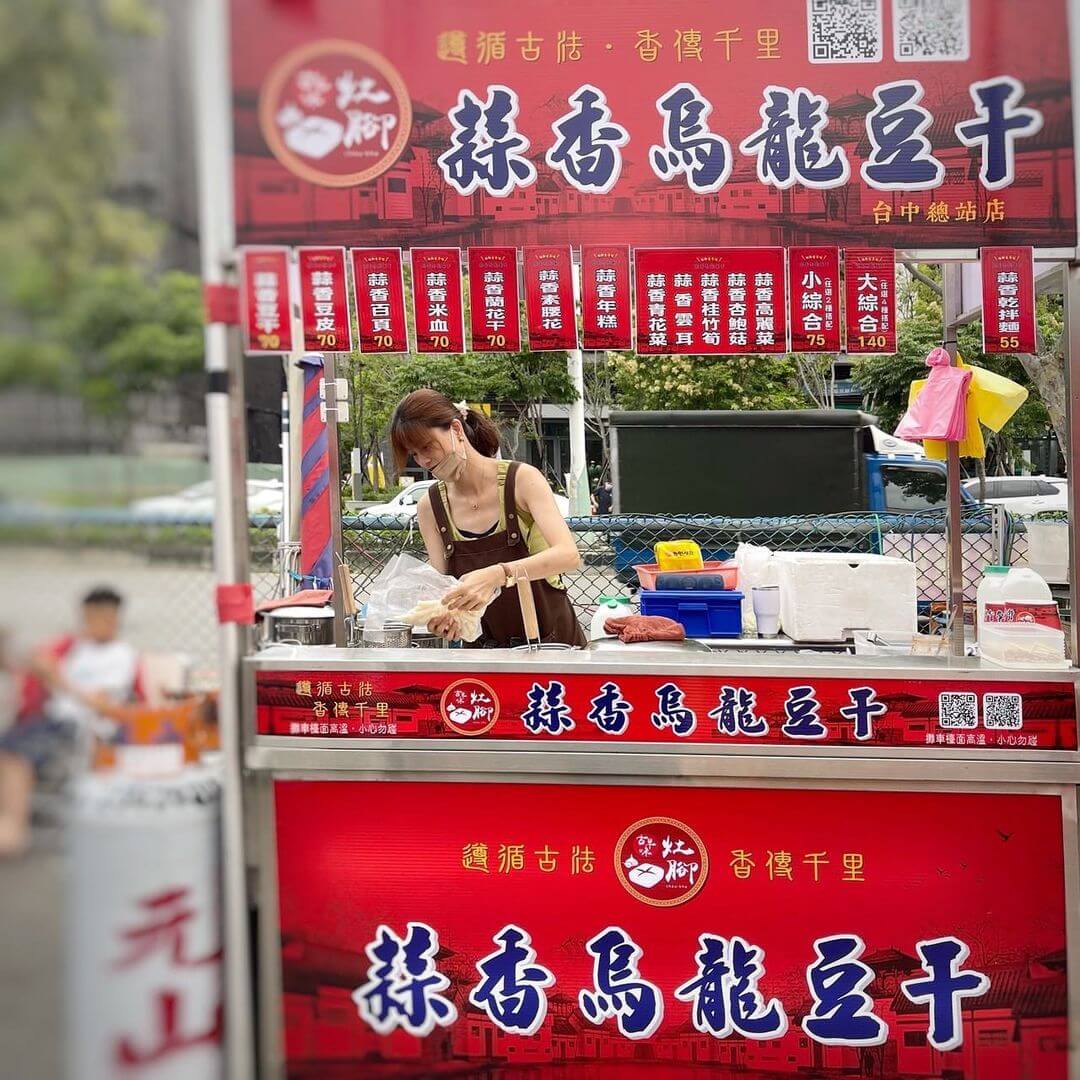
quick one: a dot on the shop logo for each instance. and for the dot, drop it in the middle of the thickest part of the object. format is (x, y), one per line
(469, 707)
(335, 113)
(661, 861)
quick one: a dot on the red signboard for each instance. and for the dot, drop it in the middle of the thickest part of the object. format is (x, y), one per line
(654, 124)
(605, 297)
(265, 296)
(1008, 295)
(870, 300)
(324, 299)
(379, 284)
(581, 929)
(494, 316)
(438, 310)
(549, 298)
(710, 300)
(698, 709)
(814, 281)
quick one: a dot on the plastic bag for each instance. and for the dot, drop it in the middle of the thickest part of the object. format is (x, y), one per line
(402, 584)
(755, 568)
(939, 410)
(972, 445)
(996, 398)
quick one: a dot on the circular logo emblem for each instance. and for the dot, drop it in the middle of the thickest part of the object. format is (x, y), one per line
(469, 706)
(661, 861)
(335, 113)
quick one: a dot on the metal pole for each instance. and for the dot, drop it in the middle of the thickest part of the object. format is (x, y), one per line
(333, 453)
(954, 533)
(1070, 288)
(579, 474)
(286, 471)
(225, 435)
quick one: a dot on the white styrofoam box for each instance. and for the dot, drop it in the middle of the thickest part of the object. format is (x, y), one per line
(823, 595)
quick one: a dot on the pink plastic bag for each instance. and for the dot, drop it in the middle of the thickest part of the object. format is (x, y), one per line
(939, 411)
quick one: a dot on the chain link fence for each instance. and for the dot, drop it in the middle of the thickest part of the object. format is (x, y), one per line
(164, 568)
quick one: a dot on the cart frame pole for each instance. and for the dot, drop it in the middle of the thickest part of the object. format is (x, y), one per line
(1070, 290)
(954, 529)
(227, 445)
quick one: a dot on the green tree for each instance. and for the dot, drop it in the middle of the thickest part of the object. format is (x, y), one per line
(80, 308)
(700, 382)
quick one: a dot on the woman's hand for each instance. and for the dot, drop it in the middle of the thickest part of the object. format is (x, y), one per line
(474, 590)
(445, 626)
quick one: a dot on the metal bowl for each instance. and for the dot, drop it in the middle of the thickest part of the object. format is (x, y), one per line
(389, 636)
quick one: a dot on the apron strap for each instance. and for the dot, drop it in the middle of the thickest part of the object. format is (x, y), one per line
(510, 513)
(442, 519)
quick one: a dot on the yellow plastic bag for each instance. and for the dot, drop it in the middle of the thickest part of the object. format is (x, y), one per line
(972, 445)
(678, 555)
(996, 397)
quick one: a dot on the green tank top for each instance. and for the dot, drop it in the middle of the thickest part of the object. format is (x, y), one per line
(534, 538)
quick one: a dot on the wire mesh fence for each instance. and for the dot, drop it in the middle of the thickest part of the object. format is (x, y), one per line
(165, 568)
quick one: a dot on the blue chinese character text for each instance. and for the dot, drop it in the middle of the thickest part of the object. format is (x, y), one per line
(735, 714)
(547, 710)
(843, 1012)
(801, 710)
(587, 144)
(998, 125)
(862, 710)
(610, 711)
(403, 987)
(689, 147)
(671, 712)
(945, 989)
(618, 989)
(900, 158)
(511, 991)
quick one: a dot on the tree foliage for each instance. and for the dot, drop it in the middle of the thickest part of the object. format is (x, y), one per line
(80, 306)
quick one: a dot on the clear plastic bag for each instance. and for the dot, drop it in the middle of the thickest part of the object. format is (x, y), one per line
(403, 583)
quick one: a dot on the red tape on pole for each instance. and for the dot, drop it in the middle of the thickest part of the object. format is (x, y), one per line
(222, 304)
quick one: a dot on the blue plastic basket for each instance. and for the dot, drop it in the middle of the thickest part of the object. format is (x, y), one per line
(702, 614)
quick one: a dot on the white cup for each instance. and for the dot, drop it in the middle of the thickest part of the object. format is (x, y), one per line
(767, 609)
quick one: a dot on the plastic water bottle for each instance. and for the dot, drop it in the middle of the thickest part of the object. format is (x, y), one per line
(610, 607)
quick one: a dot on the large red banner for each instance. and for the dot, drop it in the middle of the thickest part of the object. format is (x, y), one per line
(578, 929)
(265, 298)
(324, 299)
(550, 308)
(1008, 296)
(814, 281)
(379, 284)
(494, 315)
(870, 301)
(438, 308)
(697, 709)
(904, 124)
(605, 297)
(710, 300)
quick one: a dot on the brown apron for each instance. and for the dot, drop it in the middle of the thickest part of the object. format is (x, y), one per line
(502, 625)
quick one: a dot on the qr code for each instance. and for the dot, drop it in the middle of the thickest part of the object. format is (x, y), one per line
(844, 31)
(958, 710)
(931, 29)
(1002, 712)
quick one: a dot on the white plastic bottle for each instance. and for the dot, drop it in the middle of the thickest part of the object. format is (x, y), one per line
(610, 607)
(993, 581)
(1019, 624)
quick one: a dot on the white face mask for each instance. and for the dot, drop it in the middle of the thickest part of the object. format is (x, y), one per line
(453, 465)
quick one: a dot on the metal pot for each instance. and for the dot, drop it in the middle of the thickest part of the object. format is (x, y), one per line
(424, 639)
(299, 626)
(390, 635)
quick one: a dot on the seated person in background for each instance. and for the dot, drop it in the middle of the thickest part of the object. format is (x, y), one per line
(73, 685)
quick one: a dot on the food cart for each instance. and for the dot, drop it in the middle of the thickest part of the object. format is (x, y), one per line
(633, 858)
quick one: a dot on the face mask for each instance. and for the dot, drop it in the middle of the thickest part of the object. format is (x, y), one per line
(453, 465)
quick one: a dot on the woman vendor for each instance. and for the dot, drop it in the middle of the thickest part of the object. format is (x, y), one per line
(488, 522)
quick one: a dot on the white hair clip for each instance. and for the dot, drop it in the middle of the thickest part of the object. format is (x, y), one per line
(462, 407)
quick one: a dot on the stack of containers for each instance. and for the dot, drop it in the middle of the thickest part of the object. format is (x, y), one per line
(699, 594)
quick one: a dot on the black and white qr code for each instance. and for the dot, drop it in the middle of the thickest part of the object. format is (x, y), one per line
(958, 710)
(1003, 712)
(844, 31)
(931, 29)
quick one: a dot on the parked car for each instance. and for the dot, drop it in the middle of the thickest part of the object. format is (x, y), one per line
(1023, 494)
(403, 505)
(196, 503)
